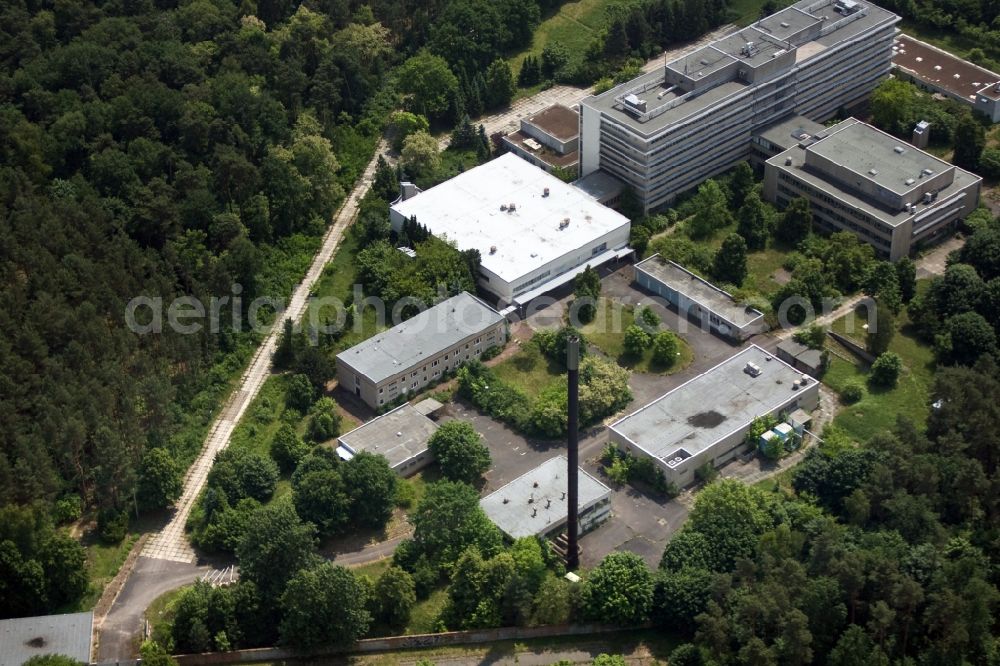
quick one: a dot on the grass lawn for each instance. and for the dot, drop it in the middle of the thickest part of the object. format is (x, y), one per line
(761, 267)
(160, 615)
(102, 565)
(424, 615)
(878, 409)
(574, 26)
(529, 370)
(607, 333)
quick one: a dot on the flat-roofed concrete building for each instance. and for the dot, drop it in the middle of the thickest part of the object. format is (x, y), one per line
(401, 435)
(779, 137)
(940, 72)
(534, 504)
(402, 360)
(550, 139)
(860, 179)
(69, 635)
(801, 357)
(699, 299)
(533, 231)
(667, 131)
(705, 420)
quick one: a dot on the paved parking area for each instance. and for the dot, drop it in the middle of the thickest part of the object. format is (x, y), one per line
(640, 523)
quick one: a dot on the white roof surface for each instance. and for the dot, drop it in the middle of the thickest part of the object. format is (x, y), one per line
(466, 210)
(25, 637)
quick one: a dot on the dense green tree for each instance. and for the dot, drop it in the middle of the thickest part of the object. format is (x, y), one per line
(240, 473)
(906, 276)
(635, 341)
(711, 211)
(732, 517)
(882, 282)
(680, 596)
(982, 252)
(970, 139)
(427, 84)
(324, 421)
(420, 155)
(754, 221)
(321, 498)
(459, 451)
(555, 58)
(619, 590)
(795, 223)
(740, 185)
(881, 330)
(500, 84)
(402, 124)
(665, 348)
(886, 369)
(448, 520)
(393, 597)
(730, 265)
(300, 394)
(324, 605)
(287, 448)
(277, 544)
(967, 337)
(371, 484)
(587, 289)
(159, 480)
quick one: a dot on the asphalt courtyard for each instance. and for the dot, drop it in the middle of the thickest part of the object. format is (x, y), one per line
(640, 523)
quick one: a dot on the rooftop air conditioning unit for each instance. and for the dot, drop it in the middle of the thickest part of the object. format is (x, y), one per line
(545, 192)
(493, 249)
(511, 208)
(752, 369)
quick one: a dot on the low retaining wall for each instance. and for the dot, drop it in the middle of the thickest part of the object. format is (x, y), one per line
(852, 347)
(394, 643)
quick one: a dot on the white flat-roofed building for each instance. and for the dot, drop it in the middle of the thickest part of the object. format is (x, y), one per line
(889, 193)
(69, 635)
(699, 299)
(533, 231)
(668, 130)
(705, 420)
(534, 504)
(402, 360)
(401, 435)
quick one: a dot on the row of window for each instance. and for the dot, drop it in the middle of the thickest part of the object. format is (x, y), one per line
(391, 390)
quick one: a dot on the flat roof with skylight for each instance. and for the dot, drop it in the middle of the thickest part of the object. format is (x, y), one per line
(696, 415)
(548, 220)
(399, 435)
(440, 327)
(535, 503)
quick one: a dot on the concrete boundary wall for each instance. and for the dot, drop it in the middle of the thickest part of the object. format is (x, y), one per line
(388, 644)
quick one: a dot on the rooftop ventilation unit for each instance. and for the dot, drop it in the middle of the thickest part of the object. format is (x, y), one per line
(493, 249)
(634, 104)
(784, 24)
(752, 369)
(899, 150)
(545, 192)
(564, 223)
(749, 50)
(927, 172)
(910, 181)
(511, 208)
(872, 172)
(788, 161)
(928, 198)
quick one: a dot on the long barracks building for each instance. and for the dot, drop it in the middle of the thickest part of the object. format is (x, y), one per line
(668, 130)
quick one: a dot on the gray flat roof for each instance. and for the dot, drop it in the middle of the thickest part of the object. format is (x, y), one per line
(849, 196)
(697, 414)
(398, 435)
(801, 352)
(558, 120)
(795, 27)
(542, 490)
(875, 156)
(435, 329)
(600, 185)
(790, 131)
(698, 290)
(25, 637)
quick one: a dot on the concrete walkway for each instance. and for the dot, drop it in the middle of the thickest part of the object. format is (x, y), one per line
(171, 543)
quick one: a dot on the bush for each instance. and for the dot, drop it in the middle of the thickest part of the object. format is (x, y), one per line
(112, 525)
(300, 393)
(706, 473)
(650, 319)
(636, 341)
(665, 348)
(68, 509)
(287, 448)
(885, 370)
(852, 393)
(324, 421)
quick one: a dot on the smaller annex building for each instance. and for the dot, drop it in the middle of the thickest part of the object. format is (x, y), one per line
(415, 353)
(705, 420)
(22, 638)
(534, 232)
(549, 139)
(887, 192)
(534, 504)
(941, 72)
(699, 299)
(401, 435)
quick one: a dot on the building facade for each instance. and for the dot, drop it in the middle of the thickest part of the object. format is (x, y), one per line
(404, 359)
(667, 131)
(534, 232)
(706, 419)
(859, 179)
(712, 308)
